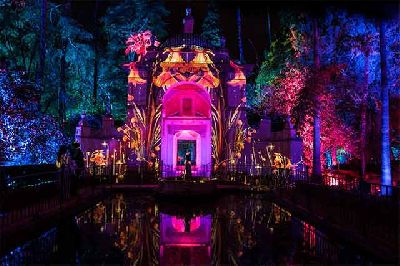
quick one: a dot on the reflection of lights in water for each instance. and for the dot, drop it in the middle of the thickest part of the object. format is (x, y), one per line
(32, 251)
(179, 224)
(143, 234)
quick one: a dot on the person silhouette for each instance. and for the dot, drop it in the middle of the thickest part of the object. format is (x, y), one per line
(188, 164)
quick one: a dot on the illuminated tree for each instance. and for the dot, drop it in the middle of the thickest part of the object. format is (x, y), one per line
(18, 35)
(211, 28)
(26, 135)
(300, 88)
(122, 20)
(386, 176)
(69, 64)
(42, 43)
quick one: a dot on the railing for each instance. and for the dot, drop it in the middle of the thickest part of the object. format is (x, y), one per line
(248, 174)
(168, 171)
(315, 243)
(34, 252)
(341, 182)
(358, 213)
(359, 186)
(22, 202)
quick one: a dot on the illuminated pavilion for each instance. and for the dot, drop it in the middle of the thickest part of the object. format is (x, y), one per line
(186, 94)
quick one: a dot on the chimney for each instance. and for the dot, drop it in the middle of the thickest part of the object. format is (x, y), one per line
(188, 21)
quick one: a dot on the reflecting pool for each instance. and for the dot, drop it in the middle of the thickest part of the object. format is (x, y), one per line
(137, 229)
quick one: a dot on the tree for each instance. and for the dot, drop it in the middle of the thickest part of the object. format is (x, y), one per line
(239, 35)
(96, 53)
(143, 15)
(26, 135)
(364, 44)
(317, 114)
(42, 54)
(211, 28)
(64, 85)
(386, 176)
(19, 38)
(297, 83)
(69, 63)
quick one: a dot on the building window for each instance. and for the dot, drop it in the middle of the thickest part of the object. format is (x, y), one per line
(187, 107)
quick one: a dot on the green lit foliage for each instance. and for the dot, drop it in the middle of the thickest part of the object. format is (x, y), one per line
(19, 45)
(120, 21)
(211, 27)
(19, 35)
(281, 53)
(66, 37)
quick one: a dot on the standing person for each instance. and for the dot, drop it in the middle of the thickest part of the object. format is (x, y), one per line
(188, 164)
(63, 164)
(77, 157)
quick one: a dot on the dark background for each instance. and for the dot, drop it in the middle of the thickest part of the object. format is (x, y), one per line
(254, 17)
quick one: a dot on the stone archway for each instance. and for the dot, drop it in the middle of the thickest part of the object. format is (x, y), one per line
(186, 122)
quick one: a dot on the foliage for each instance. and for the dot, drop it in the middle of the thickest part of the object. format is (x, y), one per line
(67, 38)
(211, 29)
(19, 44)
(26, 135)
(19, 35)
(298, 90)
(121, 21)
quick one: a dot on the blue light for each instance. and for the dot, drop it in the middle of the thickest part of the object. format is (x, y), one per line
(26, 135)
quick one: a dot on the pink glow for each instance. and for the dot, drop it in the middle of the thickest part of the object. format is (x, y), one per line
(172, 231)
(186, 115)
(176, 94)
(179, 224)
(138, 43)
(185, 245)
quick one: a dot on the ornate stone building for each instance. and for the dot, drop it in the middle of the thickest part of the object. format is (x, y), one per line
(188, 96)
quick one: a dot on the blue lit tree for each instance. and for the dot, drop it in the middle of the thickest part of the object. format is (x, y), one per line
(26, 136)
(386, 176)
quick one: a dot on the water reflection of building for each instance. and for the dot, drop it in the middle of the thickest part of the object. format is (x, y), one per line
(232, 233)
(185, 240)
(132, 227)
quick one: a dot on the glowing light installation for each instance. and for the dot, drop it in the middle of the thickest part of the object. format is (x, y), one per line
(182, 100)
(186, 93)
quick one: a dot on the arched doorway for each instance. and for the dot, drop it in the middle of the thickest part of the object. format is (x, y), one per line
(186, 125)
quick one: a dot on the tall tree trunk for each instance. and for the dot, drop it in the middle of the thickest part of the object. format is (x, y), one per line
(96, 58)
(386, 176)
(317, 117)
(363, 133)
(363, 138)
(42, 55)
(269, 31)
(240, 42)
(62, 92)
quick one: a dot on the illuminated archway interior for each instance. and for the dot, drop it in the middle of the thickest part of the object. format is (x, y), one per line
(186, 125)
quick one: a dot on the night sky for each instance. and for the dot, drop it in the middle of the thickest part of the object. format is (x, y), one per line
(254, 17)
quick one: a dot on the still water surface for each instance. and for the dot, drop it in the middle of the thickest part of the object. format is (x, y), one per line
(132, 229)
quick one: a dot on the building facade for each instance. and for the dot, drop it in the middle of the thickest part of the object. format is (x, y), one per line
(187, 99)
